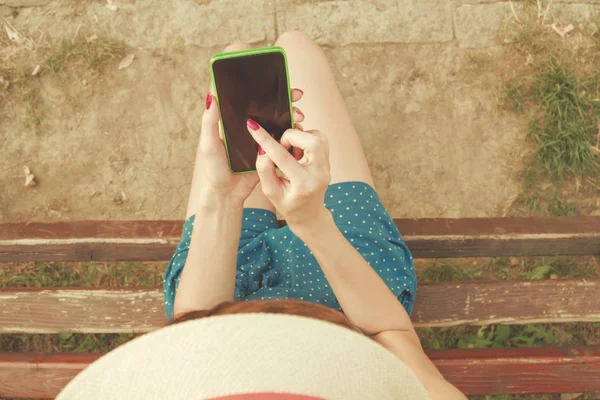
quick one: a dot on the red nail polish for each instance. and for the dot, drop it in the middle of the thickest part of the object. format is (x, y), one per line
(261, 152)
(252, 124)
(208, 100)
(300, 90)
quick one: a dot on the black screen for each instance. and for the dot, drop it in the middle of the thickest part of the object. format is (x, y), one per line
(252, 86)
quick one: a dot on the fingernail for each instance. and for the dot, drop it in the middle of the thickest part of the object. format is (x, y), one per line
(300, 113)
(208, 100)
(252, 124)
(300, 90)
(260, 150)
(299, 127)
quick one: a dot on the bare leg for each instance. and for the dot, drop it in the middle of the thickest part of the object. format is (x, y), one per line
(324, 107)
(256, 199)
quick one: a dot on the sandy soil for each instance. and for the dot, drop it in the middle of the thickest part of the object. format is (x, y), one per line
(119, 144)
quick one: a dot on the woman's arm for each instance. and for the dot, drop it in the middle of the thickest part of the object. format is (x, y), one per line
(365, 298)
(368, 302)
(208, 277)
(406, 346)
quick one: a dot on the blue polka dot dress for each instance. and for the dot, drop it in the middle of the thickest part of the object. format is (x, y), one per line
(273, 263)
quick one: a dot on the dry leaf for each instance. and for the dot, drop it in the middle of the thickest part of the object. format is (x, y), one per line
(29, 177)
(36, 70)
(4, 82)
(91, 38)
(12, 34)
(562, 30)
(111, 7)
(529, 60)
(126, 61)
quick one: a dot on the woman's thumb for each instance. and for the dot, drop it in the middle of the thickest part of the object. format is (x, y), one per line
(210, 125)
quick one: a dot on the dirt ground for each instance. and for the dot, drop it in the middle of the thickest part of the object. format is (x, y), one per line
(120, 144)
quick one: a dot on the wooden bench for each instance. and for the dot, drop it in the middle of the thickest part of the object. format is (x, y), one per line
(474, 371)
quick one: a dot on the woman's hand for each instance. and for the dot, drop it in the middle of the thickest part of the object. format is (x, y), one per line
(217, 179)
(300, 195)
(218, 182)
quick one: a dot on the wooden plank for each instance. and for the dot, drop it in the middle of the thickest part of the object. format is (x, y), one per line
(507, 302)
(427, 238)
(473, 371)
(521, 370)
(39, 375)
(408, 227)
(83, 311)
(438, 304)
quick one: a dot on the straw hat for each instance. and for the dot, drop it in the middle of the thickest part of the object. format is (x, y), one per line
(248, 356)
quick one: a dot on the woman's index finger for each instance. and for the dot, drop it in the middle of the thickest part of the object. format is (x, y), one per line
(276, 152)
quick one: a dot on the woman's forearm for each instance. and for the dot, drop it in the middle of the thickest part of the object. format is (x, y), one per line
(208, 277)
(365, 298)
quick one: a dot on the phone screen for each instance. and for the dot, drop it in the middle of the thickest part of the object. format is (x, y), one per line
(251, 86)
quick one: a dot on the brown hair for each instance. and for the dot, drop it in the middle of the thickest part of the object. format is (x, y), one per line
(291, 307)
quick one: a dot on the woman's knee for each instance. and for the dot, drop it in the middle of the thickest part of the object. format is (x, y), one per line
(237, 46)
(296, 39)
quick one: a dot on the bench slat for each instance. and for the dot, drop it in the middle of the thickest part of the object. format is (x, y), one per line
(521, 370)
(408, 226)
(427, 238)
(438, 304)
(473, 371)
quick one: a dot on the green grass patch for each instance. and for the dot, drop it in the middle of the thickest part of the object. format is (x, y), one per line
(558, 90)
(564, 109)
(510, 336)
(565, 131)
(80, 51)
(508, 268)
(50, 274)
(63, 342)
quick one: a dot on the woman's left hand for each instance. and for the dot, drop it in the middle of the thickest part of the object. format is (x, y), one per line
(217, 179)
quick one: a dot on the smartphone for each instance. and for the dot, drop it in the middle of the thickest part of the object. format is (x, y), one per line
(251, 84)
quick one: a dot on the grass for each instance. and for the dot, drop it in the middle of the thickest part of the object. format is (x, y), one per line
(32, 116)
(92, 54)
(564, 112)
(564, 134)
(564, 126)
(508, 268)
(47, 274)
(558, 89)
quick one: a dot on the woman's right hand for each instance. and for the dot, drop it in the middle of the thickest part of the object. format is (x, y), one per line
(300, 195)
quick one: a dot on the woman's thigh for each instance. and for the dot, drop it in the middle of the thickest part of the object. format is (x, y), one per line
(324, 107)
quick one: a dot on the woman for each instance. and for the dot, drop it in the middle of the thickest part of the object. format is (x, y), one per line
(340, 248)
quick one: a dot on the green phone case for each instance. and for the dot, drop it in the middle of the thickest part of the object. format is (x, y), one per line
(245, 53)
